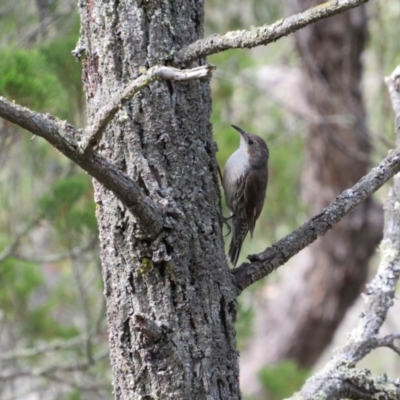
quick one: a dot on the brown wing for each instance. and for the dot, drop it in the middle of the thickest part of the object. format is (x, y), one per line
(254, 195)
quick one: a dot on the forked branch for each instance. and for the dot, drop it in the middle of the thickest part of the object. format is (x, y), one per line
(62, 136)
(94, 132)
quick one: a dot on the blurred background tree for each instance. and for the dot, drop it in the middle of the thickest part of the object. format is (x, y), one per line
(53, 342)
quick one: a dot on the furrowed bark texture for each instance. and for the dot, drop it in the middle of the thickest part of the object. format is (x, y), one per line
(328, 276)
(171, 302)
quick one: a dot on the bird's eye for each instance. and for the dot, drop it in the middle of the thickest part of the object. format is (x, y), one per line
(250, 141)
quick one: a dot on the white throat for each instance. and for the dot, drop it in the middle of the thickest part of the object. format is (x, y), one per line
(238, 163)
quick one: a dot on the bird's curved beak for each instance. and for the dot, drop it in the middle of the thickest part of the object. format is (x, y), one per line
(241, 131)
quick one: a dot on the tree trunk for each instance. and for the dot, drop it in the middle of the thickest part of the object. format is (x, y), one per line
(171, 303)
(327, 277)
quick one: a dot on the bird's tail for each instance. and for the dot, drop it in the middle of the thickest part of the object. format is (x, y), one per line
(239, 232)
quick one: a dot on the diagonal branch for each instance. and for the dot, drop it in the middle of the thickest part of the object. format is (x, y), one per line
(332, 382)
(61, 135)
(280, 252)
(342, 383)
(94, 132)
(265, 34)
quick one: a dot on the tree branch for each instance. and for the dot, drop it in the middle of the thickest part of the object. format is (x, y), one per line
(388, 341)
(332, 382)
(262, 35)
(343, 383)
(93, 133)
(62, 136)
(280, 252)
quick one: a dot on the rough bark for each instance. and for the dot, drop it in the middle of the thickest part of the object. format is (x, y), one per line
(329, 275)
(171, 301)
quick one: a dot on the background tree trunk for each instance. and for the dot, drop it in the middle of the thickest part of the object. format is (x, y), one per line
(326, 278)
(171, 303)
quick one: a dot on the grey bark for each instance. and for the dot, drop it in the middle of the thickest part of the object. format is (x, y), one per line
(171, 300)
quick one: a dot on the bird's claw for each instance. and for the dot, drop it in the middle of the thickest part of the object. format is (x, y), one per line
(225, 222)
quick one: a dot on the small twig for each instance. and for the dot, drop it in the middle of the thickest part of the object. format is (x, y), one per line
(388, 341)
(94, 132)
(265, 34)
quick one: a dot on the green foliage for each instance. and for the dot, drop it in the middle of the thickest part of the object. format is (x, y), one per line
(68, 70)
(72, 395)
(283, 379)
(69, 206)
(41, 323)
(45, 78)
(59, 294)
(19, 279)
(26, 78)
(21, 283)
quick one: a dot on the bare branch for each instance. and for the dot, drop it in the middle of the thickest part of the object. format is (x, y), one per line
(388, 341)
(62, 136)
(94, 132)
(342, 383)
(265, 34)
(332, 382)
(280, 252)
(334, 378)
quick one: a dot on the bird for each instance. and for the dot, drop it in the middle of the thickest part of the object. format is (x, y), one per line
(245, 181)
